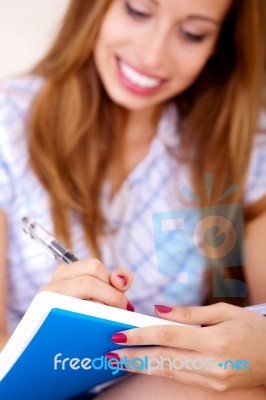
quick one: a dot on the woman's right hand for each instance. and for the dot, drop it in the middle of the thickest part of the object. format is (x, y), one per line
(90, 280)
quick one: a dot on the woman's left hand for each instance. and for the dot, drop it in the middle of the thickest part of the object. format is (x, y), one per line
(228, 352)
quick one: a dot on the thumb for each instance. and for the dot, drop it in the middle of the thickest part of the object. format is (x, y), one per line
(121, 279)
(204, 315)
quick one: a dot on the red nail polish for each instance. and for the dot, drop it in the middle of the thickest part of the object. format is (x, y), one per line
(163, 309)
(130, 307)
(123, 279)
(108, 356)
(119, 338)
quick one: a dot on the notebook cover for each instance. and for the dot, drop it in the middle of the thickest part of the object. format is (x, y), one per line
(75, 336)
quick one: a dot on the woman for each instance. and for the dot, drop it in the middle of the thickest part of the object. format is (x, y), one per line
(135, 100)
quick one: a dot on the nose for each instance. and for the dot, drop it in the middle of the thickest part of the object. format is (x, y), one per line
(154, 50)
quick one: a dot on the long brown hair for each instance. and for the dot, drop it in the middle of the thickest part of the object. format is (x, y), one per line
(76, 130)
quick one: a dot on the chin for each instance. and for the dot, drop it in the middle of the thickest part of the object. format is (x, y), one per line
(130, 104)
(134, 102)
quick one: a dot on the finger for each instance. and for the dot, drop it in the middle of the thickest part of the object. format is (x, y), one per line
(205, 315)
(202, 363)
(90, 288)
(165, 362)
(165, 335)
(121, 279)
(92, 267)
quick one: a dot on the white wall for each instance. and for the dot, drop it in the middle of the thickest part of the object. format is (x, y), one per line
(27, 28)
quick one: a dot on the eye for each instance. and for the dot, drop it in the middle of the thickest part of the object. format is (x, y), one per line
(135, 13)
(192, 37)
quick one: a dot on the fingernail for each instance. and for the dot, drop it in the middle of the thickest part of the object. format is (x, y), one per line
(130, 307)
(108, 356)
(119, 338)
(163, 309)
(123, 279)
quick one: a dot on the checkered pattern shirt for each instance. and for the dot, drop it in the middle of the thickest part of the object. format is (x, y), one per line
(154, 186)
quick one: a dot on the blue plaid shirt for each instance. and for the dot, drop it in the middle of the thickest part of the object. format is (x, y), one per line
(153, 187)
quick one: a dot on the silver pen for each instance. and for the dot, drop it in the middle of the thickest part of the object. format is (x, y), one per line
(47, 241)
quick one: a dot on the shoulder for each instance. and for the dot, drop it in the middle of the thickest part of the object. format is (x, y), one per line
(256, 178)
(258, 155)
(16, 96)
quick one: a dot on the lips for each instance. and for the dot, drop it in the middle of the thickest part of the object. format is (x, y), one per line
(139, 71)
(137, 80)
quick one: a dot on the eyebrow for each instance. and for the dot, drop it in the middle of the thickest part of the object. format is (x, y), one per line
(203, 18)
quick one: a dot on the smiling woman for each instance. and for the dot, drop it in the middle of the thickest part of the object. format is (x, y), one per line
(135, 100)
(157, 50)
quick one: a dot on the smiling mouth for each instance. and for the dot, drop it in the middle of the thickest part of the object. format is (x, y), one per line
(136, 78)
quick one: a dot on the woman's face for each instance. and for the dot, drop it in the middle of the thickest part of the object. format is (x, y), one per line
(148, 51)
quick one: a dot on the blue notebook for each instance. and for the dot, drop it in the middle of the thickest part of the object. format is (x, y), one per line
(55, 328)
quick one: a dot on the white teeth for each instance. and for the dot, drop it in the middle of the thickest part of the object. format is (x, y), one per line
(138, 79)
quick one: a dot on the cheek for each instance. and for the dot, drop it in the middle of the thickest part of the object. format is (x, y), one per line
(109, 41)
(189, 64)
(111, 33)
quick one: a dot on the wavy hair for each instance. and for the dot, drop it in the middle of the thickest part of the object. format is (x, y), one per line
(75, 130)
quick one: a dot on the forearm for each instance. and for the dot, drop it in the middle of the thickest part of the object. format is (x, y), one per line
(159, 388)
(4, 337)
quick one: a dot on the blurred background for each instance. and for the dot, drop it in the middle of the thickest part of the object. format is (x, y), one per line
(27, 28)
